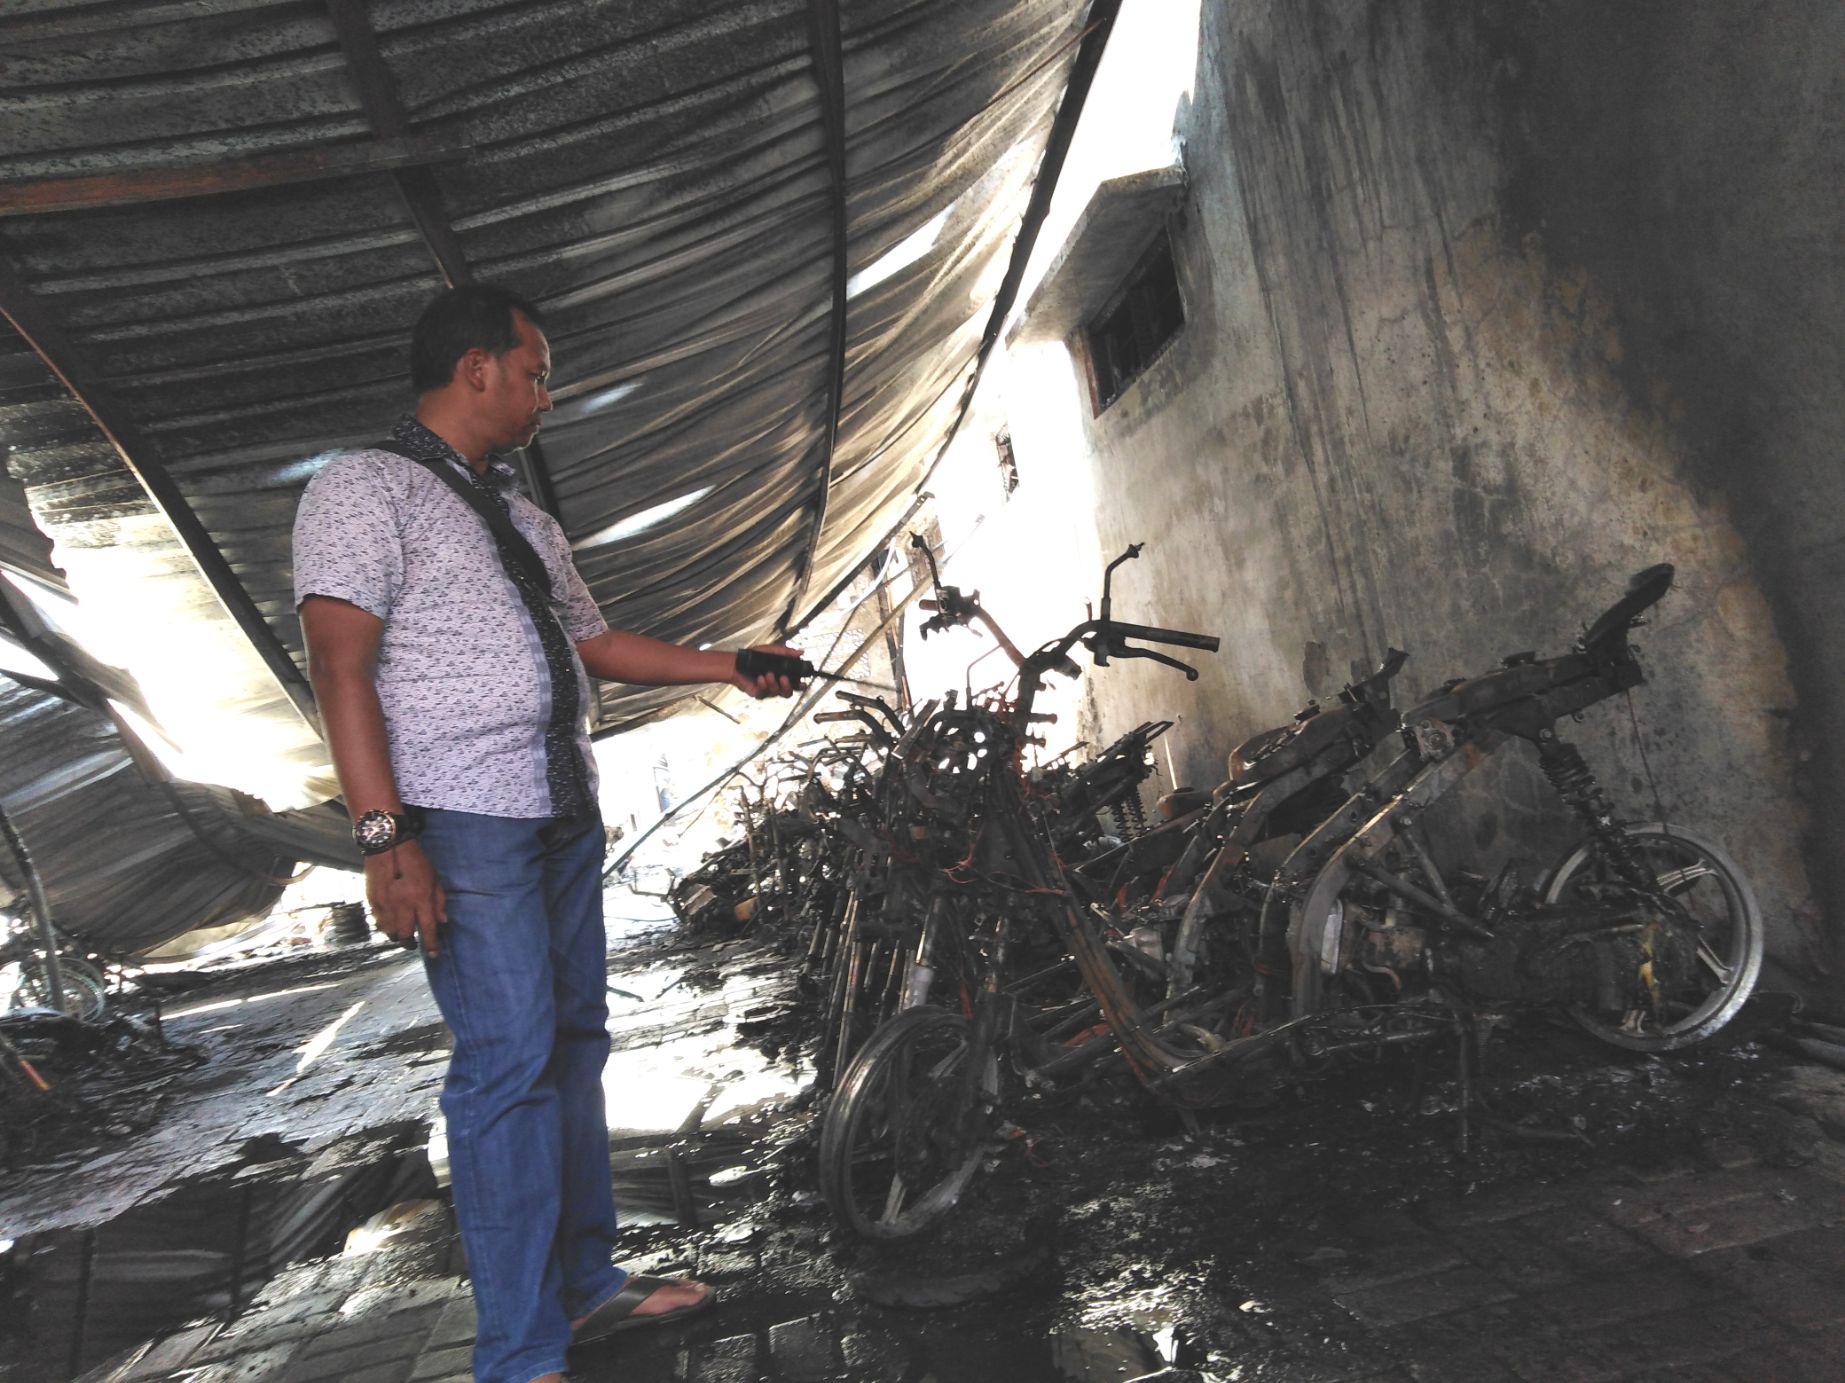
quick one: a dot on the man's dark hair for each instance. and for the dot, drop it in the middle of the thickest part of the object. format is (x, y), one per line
(459, 319)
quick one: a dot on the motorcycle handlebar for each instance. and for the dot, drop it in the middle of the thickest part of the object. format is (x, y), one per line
(1152, 634)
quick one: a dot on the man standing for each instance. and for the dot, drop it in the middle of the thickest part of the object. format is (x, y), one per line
(451, 670)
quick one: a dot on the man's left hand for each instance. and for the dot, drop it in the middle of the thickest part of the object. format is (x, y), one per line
(769, 684)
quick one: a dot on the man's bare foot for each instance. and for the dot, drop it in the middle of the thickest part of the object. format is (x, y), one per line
(675, 1295)
(665, 1297)
(549, 1378)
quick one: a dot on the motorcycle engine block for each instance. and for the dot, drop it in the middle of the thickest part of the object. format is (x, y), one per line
(1607, 960)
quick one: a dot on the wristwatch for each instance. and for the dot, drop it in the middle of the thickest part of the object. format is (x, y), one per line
(375, 832)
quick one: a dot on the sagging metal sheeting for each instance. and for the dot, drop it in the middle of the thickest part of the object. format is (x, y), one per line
(665, 180)
(128, 858)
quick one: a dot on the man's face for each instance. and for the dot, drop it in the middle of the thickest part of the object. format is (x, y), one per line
(514, 398)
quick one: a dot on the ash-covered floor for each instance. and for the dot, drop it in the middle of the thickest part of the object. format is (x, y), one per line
(280, 1217)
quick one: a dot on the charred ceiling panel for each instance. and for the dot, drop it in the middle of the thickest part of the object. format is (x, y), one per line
(174, 855)
(232, 209)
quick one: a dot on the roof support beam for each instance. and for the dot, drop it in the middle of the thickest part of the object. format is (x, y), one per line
(417, 187)
(829, 72)
(170, 182)
(20, 306)
(378, 97)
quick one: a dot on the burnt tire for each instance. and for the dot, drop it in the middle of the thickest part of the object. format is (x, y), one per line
(897, 1147)
(86, 991)
(1706, 885)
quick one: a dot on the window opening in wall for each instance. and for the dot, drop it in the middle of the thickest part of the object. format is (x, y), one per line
(1125, 337)
(1008, 465)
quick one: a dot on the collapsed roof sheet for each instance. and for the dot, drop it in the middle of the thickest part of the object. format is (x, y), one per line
(128, 858)
(767, 236)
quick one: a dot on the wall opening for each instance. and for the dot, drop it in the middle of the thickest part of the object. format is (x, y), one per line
(1129, 333)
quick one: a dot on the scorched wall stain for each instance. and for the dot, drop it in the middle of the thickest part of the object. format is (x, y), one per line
(1399, 414)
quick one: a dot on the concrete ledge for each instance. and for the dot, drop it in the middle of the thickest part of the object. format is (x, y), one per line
(1104, 245)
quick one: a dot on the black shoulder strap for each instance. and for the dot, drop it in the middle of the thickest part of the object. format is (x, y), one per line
(515, 551)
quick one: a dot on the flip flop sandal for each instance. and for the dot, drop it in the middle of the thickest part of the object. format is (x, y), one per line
(617, 1313)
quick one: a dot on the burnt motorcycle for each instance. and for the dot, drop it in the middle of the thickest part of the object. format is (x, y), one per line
(1646, 933)
(1281, 966)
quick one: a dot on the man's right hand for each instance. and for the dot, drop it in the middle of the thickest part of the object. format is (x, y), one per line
(407, 902)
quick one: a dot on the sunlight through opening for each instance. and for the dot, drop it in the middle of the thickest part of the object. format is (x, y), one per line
(901, 255)
(641, 522)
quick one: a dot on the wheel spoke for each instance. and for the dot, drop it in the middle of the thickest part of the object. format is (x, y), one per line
(1713, 962)
(897, 1101)
(893, 1200)
(1678, 880)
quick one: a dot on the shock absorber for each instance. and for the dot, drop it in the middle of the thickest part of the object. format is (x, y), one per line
(1576, 784)
(1130, 814)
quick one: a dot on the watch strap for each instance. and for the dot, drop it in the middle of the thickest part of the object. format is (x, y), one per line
(405, 825)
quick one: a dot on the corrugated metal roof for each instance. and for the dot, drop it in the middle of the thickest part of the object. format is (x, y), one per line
(33, 406)
(127, 857)
(662, 178)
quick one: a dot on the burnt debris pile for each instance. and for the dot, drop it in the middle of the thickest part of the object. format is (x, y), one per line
(68, 1083)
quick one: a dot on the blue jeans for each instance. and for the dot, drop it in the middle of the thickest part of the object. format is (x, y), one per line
(522, 984)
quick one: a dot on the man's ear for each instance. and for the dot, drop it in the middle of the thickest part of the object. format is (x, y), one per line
(471, 369)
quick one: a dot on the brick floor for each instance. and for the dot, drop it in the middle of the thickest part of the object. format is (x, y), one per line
(1587, 1242)
(1417, 1298)
(1591, 1302)
(1508, 1251)
(1722, 1275)
(1776, 1284)
(735, 1359)
(1714, 1268)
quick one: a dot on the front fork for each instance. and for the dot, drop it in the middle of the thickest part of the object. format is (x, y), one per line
(920, 976)
(990, 1008)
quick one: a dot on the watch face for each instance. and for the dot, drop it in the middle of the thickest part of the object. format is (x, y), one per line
(374, 831)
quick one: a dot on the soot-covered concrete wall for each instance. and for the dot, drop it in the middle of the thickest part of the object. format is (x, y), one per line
(1488, 306)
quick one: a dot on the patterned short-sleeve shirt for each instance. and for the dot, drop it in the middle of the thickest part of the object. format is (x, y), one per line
(462, 670)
